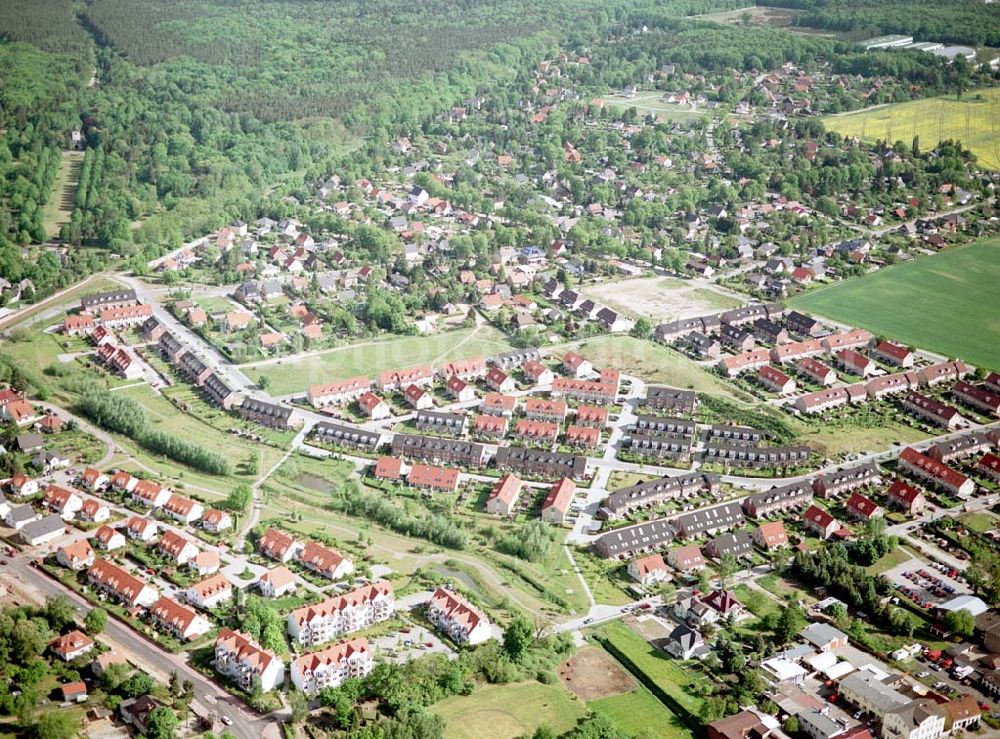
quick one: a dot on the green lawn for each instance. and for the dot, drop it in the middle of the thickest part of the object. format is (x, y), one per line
(894, 558)
(653, 102)
(295, 375)
(508, 711)
(942, 303)
(651, 362)
(676, 679)
(640, 714)
(61, 201)
(978, 522)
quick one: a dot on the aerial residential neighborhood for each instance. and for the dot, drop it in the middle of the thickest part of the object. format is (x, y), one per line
(500, 370)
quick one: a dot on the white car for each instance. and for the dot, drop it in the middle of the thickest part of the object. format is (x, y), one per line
(227, 721)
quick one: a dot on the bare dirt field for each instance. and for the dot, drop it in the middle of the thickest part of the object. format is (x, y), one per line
(593, 673)
(660, 298)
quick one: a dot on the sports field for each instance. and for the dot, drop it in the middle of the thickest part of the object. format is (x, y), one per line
(974, 120)
(946, 303)
(295, 374)
(508, 711)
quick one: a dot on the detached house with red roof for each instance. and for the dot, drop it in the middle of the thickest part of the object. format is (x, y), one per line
(576, 366)
(537, 373)
(325, 561)
(455, 616)
(277, 582)
(775, 380)
(460, 390)
(62, 501)
(176, 548)
(278, 545)
(76, 556)
(906, 497)
(648, 570)
(820, 522)
(109, 539)
(893, 353)
(862, 508)
(246, 663)
(183, 509)
(503, 497)
(770, 535)
(330, 667)
(211, 592)
(419, 399)
(216, 521)
(855, 362)
(71, 646)
(143, 529)
(500, 381)
(558, 500)
(93, 479)
(374, 407)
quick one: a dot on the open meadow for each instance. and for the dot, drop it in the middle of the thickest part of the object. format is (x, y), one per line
(652, 102)
(295, 374)
(60, 206)
(660, 298)
(946, 303)
(508, 711)
(974, 120)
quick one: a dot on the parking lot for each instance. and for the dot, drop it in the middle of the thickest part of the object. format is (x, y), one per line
(409, 643)
(927, 586)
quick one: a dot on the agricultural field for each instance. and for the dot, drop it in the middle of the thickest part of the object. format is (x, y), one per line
(60, 206)
(660, 298)
(974, 120)
(652, 102)
(508, 711)
(294, 375)
(940, 303)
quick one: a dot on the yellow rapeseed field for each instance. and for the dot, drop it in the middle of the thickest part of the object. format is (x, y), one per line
(974, 120)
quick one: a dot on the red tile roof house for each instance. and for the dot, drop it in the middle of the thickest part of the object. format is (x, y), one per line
(76, 556)
(648, 570)
(989, 465)
(339, 614)
(896, 354)
(537, 372)
(94, 511)
(374, 407)
(816, 371)
(862, 508)
(329, 667)
(62, 501)
(496, 404)
(338, 393)
(540, 409)
(983, 400)
(820, 522)
(930, 470)
(458, 618)
(576, 366)
(848, 340)
(588, 391)
(142, 529)
(933, 411)
(466, 369)
(494, 427)
(277, 582)
(241, 659)
(150, 494)
(418, 398)
(429, 477)
(504, 495)
(216, 521)
(500, 381)
(879, 387)
(278, 546)
(734, 365)
(398, 379)
(325, 561)
(205, 563)
(389, 468)
(211, 592)
(75, 692)
(177, 548)
(770, 535)
(855, 363)
(123, 482)
(536, 432)
(587, 437)
(458, 389)
(823, 400)
(592, 415)
(21, 485)
(906, 497)
(775, 380)
(69, 647)
(942, 372)
(124, 587)
(558, 500)
(181, 622)
(109, 539)
(796, 350)
(687, 558)
(183, 509)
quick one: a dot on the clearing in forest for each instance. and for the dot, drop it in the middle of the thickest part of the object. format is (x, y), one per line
(61, 201)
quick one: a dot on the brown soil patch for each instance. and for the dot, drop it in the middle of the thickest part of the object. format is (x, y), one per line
(593, 673)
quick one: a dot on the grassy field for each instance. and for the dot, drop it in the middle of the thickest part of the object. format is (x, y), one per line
(60, 206)
(653, 102)
(942, 303)
(640, 714)
(672, 676)
(651, 362)
(974, 120)
(508, 711)
(893, 559)
(835, 441)
(294, 375)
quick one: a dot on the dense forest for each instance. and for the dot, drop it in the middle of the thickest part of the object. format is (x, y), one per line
(971, 22)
